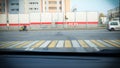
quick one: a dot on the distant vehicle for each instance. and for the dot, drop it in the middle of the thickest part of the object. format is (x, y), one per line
(23, 28)
(113, 25)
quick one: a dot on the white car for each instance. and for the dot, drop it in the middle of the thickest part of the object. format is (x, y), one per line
(113, 25)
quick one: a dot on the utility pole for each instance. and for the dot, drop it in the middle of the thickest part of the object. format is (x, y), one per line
(6, 11)
(74, 10)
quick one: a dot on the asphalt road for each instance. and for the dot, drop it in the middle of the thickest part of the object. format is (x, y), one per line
(101, 34)
(60, 40)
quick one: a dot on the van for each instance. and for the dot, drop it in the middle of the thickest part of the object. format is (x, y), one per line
(113, 25)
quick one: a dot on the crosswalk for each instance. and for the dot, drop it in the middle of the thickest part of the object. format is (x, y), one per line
(31, 45)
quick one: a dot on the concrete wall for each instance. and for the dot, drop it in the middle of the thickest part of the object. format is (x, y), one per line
(51, 20)
(3, 25)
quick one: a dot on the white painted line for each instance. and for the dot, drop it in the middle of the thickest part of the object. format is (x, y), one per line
(29, 49)
(108, 45)
(115, 41)
(16, 44)
(92, 45)
(27, 46)
(75, 43)
(45, 44)
(6, 43)
(60, 44)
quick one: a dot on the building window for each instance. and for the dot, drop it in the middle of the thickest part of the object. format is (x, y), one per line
(33, 3)
(0, 4)
(60, 8)
(30, 8)
(36, 2)
(52, 2)
(3, 4)
(17, 3)
(60, 2)
(12, 3)
(17, 9)
(12, 9)
(30, 3)
(52, 7)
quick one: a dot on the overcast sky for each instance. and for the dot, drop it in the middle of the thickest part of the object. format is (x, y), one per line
(94, 5)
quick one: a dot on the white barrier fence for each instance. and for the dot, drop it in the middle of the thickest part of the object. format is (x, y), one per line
(49, 20)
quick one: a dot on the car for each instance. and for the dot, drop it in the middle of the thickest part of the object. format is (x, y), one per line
(113, 25)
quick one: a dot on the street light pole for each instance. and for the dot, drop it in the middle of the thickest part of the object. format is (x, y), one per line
(86, 20)
(74, 10)
(6, 11)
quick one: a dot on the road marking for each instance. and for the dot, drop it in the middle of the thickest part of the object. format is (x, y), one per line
(82, 43)
(60, 44)
(37, 45)
(52, 44)
(16, 44)
(68, 44)
(75, 43)
(24, 44)
(115, 41)
(29, 49)
(27, 46)
(7, 45)
(97, 43)
(104, 43)
(6, 42)
(113, 44)
(45, 44)
(118, 40)
(92, 45)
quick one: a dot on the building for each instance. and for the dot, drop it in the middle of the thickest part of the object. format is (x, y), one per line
(55, 5)
(114, 13)
(2, 6)
(34, 6)
(37, 6)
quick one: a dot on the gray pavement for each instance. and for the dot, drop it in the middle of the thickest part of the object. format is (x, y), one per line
(101, 34)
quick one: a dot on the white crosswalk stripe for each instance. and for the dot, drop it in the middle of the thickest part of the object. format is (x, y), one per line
(92, 45)
(60, 44)
(115, 42)
(27, 46)
(105, 44)
(75, 43)
(16, 44)
(45, 44)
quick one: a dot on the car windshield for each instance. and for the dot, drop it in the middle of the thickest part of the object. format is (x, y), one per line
(59, 25)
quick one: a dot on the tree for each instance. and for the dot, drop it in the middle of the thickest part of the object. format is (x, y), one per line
(101, 15)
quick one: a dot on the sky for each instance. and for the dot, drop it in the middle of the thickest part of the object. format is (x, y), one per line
(101, 6)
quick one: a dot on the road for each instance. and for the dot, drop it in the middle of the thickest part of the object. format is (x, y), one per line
(60, 35)
(61, 40)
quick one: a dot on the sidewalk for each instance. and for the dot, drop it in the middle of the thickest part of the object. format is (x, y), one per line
(54, 29)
